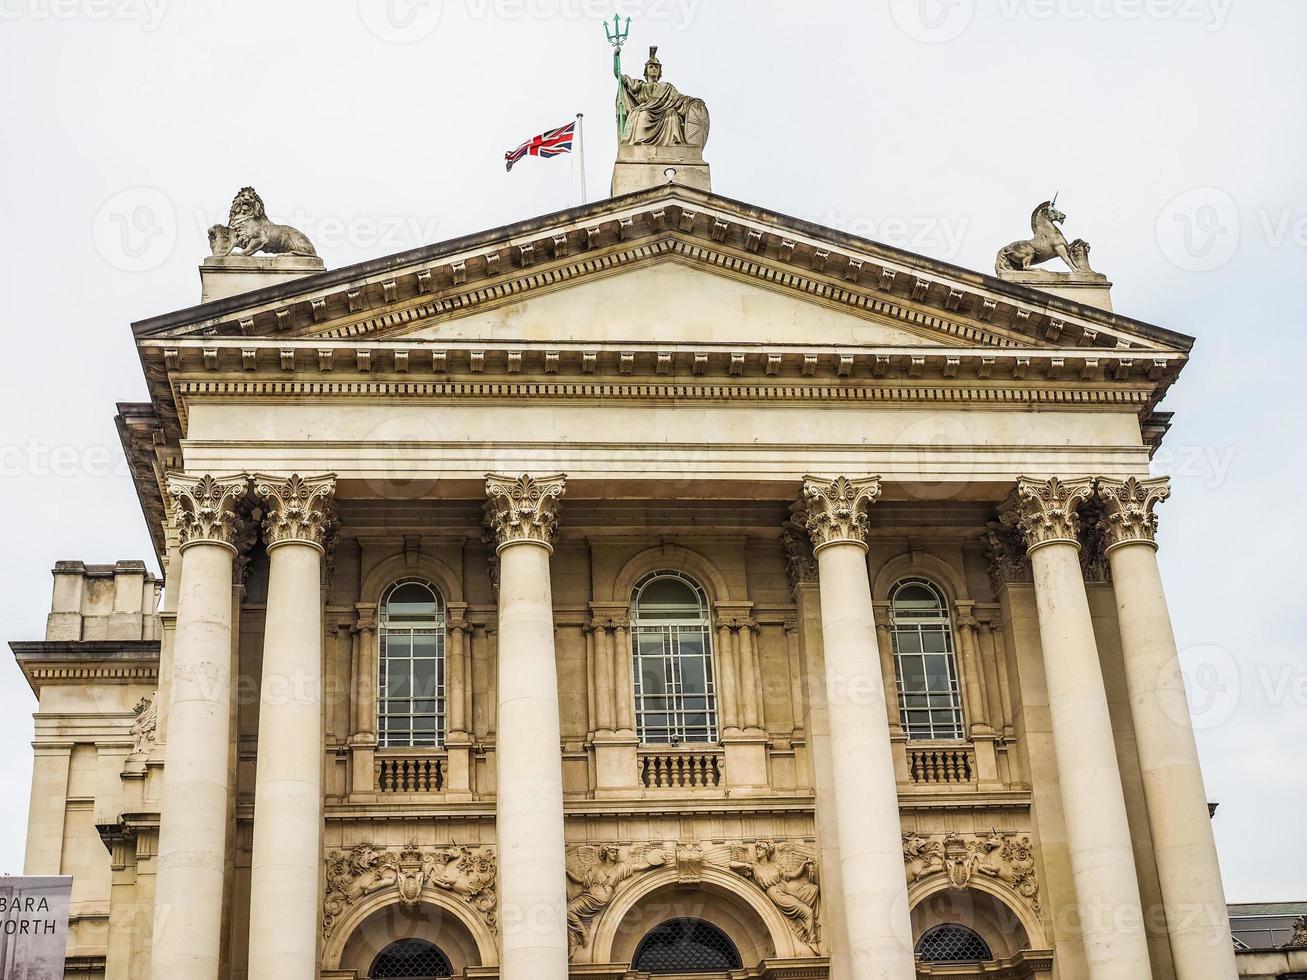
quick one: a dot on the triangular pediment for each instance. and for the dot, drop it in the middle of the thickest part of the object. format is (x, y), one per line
(671, 265)
(672, 302)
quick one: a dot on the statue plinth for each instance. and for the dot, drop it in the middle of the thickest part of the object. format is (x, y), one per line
(1089, 288)
(230, 275)
(641, 167)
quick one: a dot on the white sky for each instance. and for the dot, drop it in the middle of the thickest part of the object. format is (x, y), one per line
(1172, 128)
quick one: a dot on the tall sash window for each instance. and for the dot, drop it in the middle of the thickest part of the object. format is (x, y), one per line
(926, 669)
(411, 666)
(675, 683)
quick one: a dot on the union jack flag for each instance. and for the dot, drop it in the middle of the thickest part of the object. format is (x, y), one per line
(547, 145)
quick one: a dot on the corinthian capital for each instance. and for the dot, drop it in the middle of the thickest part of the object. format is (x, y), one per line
(203, 507)
(1130, 504)
(298, 508)
(1046, 510)
(836, 510)
(523, 508)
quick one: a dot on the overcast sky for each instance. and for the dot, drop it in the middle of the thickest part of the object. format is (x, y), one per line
(1173, 129)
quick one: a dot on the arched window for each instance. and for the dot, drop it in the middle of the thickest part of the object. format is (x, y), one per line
(411, 958)
(686, 946)
(671, 638)
(411, 666)
(930, 699)
(952, 943)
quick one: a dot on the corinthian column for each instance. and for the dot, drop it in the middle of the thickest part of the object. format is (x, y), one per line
(866, 802)
(523, 514)
(284, 895)
(1197, 919)
(192, 835)
(1098, 834)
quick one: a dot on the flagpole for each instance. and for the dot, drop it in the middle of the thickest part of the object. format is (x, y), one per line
(580, 135)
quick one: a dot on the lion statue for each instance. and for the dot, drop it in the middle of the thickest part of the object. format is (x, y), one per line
(249, 230)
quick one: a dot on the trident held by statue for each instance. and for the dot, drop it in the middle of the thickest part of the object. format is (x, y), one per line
(617, 36)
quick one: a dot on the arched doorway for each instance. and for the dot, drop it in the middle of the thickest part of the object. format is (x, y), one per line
(413, 959)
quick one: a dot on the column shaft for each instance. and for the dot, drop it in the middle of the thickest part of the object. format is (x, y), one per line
(889, 676)
(1098, 832)
(866, 802)
(748, 677)
(193, 832)
(1190, 875)
(284, 894)
(727, 687)
(604, 684)
(529, 809)
(624, 687)
(458, 679)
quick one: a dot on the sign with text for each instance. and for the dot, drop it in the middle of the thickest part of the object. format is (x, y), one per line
(33, 927)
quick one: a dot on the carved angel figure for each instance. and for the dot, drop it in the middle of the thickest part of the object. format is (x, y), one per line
(594, 875)
(147, 720)
(789, 877)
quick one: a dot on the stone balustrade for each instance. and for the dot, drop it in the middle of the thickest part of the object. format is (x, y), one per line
(675, 768)
(409, 771)
(942, 766)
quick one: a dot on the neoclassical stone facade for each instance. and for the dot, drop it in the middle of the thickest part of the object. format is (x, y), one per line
(661, 586)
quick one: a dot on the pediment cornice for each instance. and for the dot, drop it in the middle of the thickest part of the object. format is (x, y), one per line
(386, 297)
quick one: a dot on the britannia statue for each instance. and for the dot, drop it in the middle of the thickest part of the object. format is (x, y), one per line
(652, 112)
